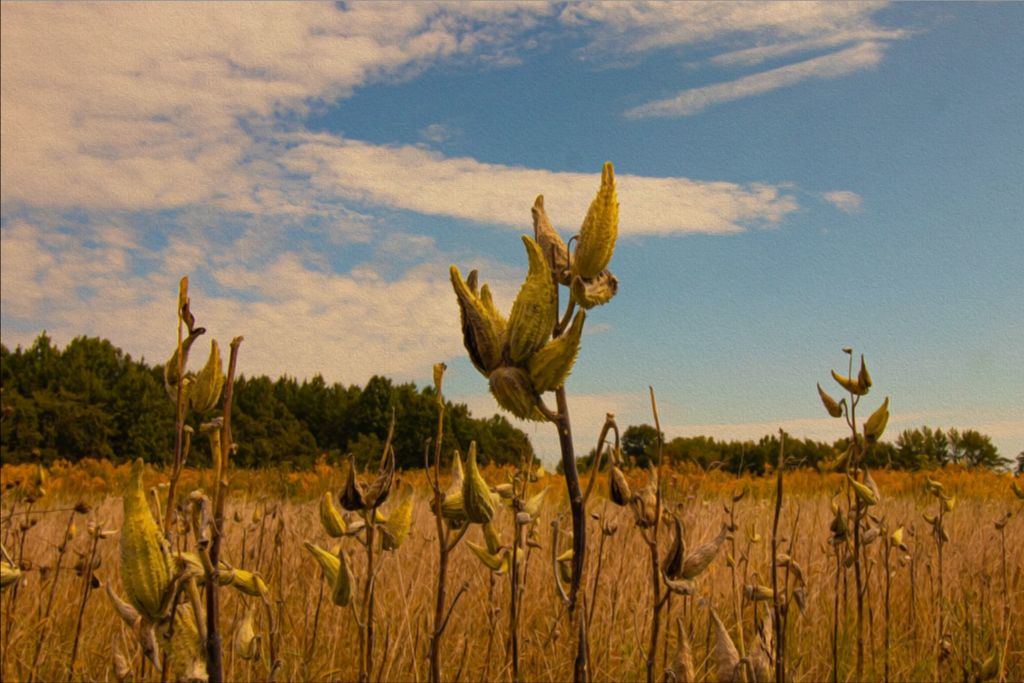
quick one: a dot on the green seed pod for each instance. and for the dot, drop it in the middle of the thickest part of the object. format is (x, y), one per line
(247, 643)
(758, 593)
(565, 566)
(599, 230)
(330, 518)
(205, 391)
(875, 425)
(145, 570)
(534, 312)
(9, 575)
(596, 291)
(248, 582)
(550, 366)
(453, 510)
(328, 561)
(495, 562)
(1017, 490)
(831, 405)
(532, 505)
(476, 494)
(482, 327)
(512, 389)
(551, 243)
(341, 589)
(850, 384)
(491, 538)
(863, 377)
(397, 525)
(864, 493)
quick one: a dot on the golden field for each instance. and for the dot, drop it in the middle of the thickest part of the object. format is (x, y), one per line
(272, 513)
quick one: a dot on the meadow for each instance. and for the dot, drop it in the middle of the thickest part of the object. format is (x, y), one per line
(59, 624)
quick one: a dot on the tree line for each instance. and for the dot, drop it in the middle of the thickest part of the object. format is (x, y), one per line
(91, 399)
(912, 449)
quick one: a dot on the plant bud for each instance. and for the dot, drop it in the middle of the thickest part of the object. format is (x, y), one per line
(831, 405)
(144, 564)
(482, 326)
(513, 391)
(551, 243)
(330, 518)
(534, 311)
(875, 424)
(477, 500)
(599, 230)
(550, 367)
(205, 391)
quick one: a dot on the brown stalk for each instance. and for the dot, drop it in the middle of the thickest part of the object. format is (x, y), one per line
(777, 607)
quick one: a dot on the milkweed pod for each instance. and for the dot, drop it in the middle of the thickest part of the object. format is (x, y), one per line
(864, 494)
(341, 589)
(682, 666)
(352, 495)
(1017, 490)
(800, 596)
(681, 587)
(145, 570)
(503, 491)
(379, 489)
(897, 539)
(565, 566)
(551, 365)
(618, 487)
(183, 648)
(481, 335)
(492, 538)
(127, 613)
(247, 644)
(730, 561)
(672, 566)
(870, 536)
(248, 582)
(328, 561)
(533, 504)
(453, 510)
(870, 483)
(758, 593)
(863, 377)
(330, 518)
(496, 563)
(477, 500)
(512, 389)
(122, 667)
(949, 503)
(599, 230)
(727, 658)
(538, 473)
(551, 244)
(737, 497)
(534, 311)
(399, 522)
(875, 425)
(940, 530)
(205, 390)
(930, 518)
(9, 575)
(148, 644)
(645, 502)
(701, 558)
(831, 405)
(849, 384)
(596, 291)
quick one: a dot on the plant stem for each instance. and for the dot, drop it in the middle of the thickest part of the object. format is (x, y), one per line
(777, 607)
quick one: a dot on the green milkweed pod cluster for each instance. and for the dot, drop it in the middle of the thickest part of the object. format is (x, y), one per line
(517, 355)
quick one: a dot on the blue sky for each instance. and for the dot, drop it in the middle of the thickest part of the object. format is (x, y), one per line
(793, 178)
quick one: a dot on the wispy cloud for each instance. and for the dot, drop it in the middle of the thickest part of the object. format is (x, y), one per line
(408, 177)
(844, 200)
(695, 100)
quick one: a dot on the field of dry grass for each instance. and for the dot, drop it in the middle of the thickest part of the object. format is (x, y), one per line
(273, 513)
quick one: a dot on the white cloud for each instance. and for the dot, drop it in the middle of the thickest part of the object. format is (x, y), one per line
(415, 179)
(844, 200)
(755, 55)
(694, 100)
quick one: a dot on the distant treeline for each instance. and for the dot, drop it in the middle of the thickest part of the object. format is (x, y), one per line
(912, 449)
(93, 400)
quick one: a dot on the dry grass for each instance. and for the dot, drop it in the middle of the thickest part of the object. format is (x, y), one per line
(618, 635)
